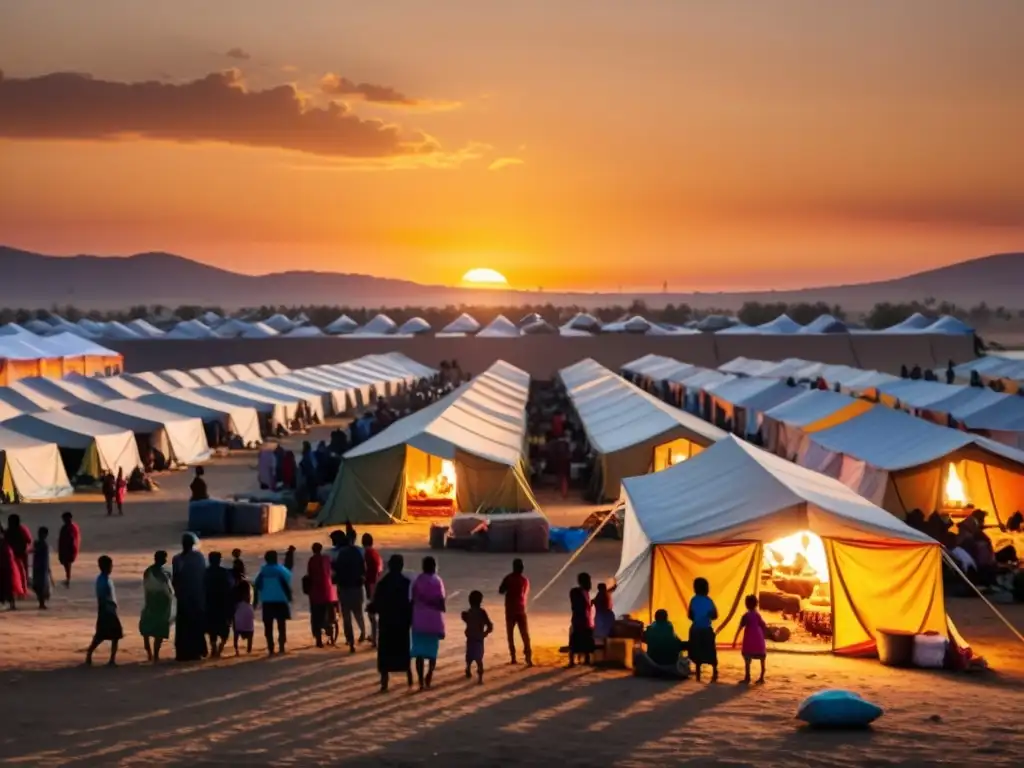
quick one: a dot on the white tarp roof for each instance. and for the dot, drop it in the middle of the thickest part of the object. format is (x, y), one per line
(204, 376)
(116, 446)
(781, 324)
(583, 321)
(43, 396)
(733, 491)
(500, 328)
(343, 324)
(304, 332)
(262, 370)
(277, 323)
(281, 393)
(109, 387)
(190, 329)
(190, 402)
(379, 324)
(241, 372)
(414, 325)
(754, 394)
(948, 324)
(186, 435)
(179, 379)
(150, 381)
(145, 329)
(808, 407)
(277, 368)
(462, 324)
(35, 466)
(914, 323)
(617, 415)
(698, 378)
(485, 417)
(825, 324)
(892, 440)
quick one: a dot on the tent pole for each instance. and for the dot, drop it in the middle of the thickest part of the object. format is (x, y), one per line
(956, 567)
(575, 554)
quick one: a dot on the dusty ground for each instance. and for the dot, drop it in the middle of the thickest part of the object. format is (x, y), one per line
(320, 706)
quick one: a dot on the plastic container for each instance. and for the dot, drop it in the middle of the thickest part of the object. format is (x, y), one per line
(895, 647)
(438, 536)
(930, 651)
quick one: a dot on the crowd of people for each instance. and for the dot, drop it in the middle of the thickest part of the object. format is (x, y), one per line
(25, 563)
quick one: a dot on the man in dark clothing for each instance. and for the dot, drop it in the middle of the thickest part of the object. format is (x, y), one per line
(516, 587)
(198, 487)
(349, 577)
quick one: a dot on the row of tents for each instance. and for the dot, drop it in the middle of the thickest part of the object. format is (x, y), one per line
(212, 326)
(55, 429)
(871, 443)
(24, 354)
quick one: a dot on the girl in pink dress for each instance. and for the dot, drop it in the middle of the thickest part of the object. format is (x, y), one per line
(754, 629)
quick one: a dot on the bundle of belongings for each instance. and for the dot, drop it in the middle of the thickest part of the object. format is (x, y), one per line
(612, 529)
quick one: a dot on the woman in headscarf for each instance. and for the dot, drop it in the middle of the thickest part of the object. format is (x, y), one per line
(428, 608)
(392, 605)
(189, 580)
(12, 582)
(157, 596)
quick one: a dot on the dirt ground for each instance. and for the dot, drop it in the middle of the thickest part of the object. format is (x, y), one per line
(321, 706)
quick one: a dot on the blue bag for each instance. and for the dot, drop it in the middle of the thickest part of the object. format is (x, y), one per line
(837, 709)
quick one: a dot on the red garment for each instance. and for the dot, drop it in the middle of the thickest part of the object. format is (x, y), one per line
(13, 583)
(321, 590)
(557, 425)
(516, 588)
(374, 566)
(288, 469)
(69, 541)
(122, 490)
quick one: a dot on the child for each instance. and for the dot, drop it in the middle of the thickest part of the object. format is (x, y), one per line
(219, 586)
(42, 576)
(69, 541)
(754, 630)
(604, 612)
(108, 625)
(289, 558)
(478, 627)
(245, 617)
(581, 630)
(236, 560)
(702, 634)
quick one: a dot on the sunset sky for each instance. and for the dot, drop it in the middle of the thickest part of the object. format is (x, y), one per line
(578, 144)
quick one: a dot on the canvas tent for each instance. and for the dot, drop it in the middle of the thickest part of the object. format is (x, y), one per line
(781, 324)
(64, 391)
(180, 439)
(31, 469)
(219, 419)
(86, 446)
(479, 430)
(414, 326)
(713, 515)
(499, 328)
(462, 324)
(631, 432)
(343, 324)
(283, 393)
(784, 426)
(740, 402)
(825, 324)
(902, 463)
(912, 324)
(151, 381)
(379, 325)
(275, 410)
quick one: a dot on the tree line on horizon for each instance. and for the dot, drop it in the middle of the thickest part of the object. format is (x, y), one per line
(881, 315)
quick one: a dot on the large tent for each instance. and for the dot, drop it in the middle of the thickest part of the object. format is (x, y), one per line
(784, 426)
(217, 417)
(631, 432)
(86, 446)
(31, 469)
(902, 463)
(151, 381)
(67, 392)
(180, 439)
(276, 411)
(282, 393)
(713, 515)
(741, 401)
(474, 437)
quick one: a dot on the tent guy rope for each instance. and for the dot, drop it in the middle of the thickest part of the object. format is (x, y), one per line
(956, 567)
(577, 553)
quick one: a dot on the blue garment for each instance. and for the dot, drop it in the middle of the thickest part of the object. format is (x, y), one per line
(701, 608)
(105, 590)
(270, 583)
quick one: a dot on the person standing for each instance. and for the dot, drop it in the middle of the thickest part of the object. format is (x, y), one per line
(158, 599)
(392, 606)
(19, 537)
(42, 576)
(516, 588)
(108, 625)
(109, 486)
(581, 632)
(350, 577)
(12, 583)
(273, 587)
(120, 490)
(322, 594)
(188, 576)
(428, 609)
(69, 542)
(219, 604)
(374, 566)
(198, 489)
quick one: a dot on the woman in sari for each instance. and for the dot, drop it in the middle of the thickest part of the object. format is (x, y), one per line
(189, 580)
(158, 596)
(428, 608)
(12, 581)
(393, 608)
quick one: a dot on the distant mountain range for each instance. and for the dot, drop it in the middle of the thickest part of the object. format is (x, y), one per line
(36, 281)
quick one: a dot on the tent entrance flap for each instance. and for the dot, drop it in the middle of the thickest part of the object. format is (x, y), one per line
(674, 452)
(430, 484)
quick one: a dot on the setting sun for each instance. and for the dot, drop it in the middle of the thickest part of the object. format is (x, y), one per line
(484, 278)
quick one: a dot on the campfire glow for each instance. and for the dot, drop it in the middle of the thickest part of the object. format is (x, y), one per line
(956, 494)
(675, 458)
(802, 548)
(442, 485)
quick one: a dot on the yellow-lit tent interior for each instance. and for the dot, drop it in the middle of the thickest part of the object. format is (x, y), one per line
(631, 431)
(902, 463)
(713, 516)
(464, 453)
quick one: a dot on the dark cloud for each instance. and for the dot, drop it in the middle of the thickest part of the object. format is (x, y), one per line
(238, 53)
(335, 85)
(214, 108)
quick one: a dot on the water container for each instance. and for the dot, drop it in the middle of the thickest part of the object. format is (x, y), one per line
(930, 651)
(895, 647)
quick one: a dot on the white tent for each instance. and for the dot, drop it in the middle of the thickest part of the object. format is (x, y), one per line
(42, 398)
(233, 419)
(279, 323)
(462, 324)
(150, 381)
(711, 517)
(204, 376)
(499, 328)
(283, 394)
(825, 324)
(947, 324)
(583, 321)
(304, 332)
(631, 431)
(784, 426)
(108, 387)
(190, 329)
(380, 324)
(343, 324)
(145, 329)
(179, 379)
(781, 324)
(716, 323)
(120, 331)
(538, 327)
(414, 326)
(87, 446)
(259, 331)
(741, 401)
(263, 370)
(241, 372)
(276, 367)
(912, 324)
(278, 411)
(180, 439)
(211, 318)
(31, 469)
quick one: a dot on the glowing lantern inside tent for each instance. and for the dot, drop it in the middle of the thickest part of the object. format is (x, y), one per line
(441, 485)
(675, 458)
(802, 553)
(956, 494)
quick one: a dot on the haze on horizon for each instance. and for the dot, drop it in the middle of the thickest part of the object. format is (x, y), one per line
(582, 145)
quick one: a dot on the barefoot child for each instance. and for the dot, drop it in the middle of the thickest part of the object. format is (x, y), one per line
(245, 618)
(754, 630)
(702, 633)
(478, 627)
(108, 625)
(69, 540)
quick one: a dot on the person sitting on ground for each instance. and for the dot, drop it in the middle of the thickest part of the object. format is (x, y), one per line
(198, 487)
(664, 648)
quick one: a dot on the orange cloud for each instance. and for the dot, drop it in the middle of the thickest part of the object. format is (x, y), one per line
(238, 53)
(335, 85)
(216, 108)
(504, 162)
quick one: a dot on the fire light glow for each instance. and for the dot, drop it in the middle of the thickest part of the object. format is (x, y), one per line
(956, 494)
(788, 550)
(442, 485)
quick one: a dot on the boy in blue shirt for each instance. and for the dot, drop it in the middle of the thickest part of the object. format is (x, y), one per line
(274, 589)
(108, 625)
(702, 633)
